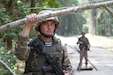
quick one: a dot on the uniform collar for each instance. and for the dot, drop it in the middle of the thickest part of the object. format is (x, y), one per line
(54, 40)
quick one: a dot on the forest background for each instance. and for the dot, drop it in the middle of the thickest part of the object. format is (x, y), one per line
(93, 21)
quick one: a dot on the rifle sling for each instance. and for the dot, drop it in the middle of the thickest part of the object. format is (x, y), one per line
(55, 65)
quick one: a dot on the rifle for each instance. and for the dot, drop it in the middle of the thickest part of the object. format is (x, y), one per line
(54, 64)
(84, 41)
(74, 48)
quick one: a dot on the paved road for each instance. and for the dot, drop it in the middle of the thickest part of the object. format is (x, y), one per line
(101, 58)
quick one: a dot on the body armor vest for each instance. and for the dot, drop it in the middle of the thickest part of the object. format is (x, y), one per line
(36, 60)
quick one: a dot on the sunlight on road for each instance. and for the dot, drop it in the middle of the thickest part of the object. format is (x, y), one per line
(68, 40)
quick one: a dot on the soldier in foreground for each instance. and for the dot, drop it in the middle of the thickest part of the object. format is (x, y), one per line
(84, 46)
(43, 55)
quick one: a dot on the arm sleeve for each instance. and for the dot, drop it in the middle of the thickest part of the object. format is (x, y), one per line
(21, 49)
(88, 41)
(66, 63)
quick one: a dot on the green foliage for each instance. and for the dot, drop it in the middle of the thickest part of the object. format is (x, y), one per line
(72, 24)
(20, 10)
(51, 3)
(8, 57)
(4, 16)
(104, 26)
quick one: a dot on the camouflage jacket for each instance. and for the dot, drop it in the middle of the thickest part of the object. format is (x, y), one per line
(23, 52)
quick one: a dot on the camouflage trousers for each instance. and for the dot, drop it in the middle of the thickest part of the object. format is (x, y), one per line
(83, 54)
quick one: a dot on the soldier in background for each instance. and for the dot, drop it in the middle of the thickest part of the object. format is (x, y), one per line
(35, 60)
(84, 46)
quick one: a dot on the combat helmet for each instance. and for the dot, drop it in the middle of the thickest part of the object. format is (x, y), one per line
(51, 18)
(83, 32)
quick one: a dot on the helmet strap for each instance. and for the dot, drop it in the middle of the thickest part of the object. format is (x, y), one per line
(47, 35)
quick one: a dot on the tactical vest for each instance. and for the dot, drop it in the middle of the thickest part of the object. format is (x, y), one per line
(36, 60)
(84, 41)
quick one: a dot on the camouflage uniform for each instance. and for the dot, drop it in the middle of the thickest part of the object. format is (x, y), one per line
(83, 49)
(35, 62)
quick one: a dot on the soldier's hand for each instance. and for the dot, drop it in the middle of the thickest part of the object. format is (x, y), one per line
(80, 42)
(65, 72)
(28, 25)
(88, 47)
(31, 19)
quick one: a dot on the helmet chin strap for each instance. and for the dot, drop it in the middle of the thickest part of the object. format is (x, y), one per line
(47, 35)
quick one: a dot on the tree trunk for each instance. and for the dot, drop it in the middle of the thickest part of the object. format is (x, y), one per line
(92, 28)
(32, 5)
(93, 22)
(8, 42)
(8, 5)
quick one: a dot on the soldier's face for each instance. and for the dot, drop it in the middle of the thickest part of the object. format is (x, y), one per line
(48, 27)
(83, 34)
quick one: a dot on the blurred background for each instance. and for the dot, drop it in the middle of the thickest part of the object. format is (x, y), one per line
(98, 23)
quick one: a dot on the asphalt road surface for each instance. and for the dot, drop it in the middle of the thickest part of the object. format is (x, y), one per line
(101, 58)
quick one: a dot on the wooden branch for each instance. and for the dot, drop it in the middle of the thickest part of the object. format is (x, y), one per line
(111, 12)
(56, 13)
(2, 62)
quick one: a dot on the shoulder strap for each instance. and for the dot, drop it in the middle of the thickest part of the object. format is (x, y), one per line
(28, 61)
(37, 45)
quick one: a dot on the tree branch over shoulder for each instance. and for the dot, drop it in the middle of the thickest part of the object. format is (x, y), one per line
(61, 12)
